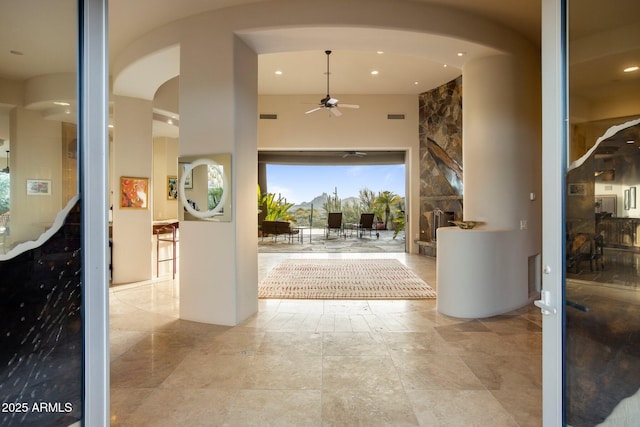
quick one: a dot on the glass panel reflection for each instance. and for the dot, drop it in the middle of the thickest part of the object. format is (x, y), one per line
(602, 362)
(41, 331)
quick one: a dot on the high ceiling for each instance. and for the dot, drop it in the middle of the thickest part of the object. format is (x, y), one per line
(36, 28)
(33, 35)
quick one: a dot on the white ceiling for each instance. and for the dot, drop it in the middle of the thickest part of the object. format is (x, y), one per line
(38, 28)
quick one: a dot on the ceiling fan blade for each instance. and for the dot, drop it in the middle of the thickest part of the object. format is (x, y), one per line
(349, 106)
(335, 112)
(315, 109)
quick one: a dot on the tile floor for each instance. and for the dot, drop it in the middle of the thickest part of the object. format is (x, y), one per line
(322, 363)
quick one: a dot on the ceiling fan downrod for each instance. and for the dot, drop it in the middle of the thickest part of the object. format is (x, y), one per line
(328, 52)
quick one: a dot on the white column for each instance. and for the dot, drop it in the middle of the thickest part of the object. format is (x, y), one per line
(218, 114)
(502, 143)
(132, 157)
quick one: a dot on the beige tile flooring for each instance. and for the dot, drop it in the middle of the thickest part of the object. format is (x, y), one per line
(322, 363)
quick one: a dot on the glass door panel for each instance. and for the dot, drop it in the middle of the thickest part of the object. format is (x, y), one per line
(602, 215)
(41, 328)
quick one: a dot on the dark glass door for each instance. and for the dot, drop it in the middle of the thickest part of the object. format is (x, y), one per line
(602, 215)
(41, 324)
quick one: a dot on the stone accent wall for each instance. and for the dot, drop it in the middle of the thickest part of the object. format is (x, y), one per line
(440, 116)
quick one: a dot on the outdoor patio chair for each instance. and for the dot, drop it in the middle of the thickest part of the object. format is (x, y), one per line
(334, 222)
(277, 228)
(366, 223)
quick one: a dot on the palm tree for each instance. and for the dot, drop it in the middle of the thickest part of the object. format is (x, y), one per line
(385, 200)
(367, 199)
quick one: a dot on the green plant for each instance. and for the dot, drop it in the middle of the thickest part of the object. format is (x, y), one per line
(384, 202)
(399, 220)
(367, 200)
(333, 204)
(214, 196)
(276, 207)
(5, 198)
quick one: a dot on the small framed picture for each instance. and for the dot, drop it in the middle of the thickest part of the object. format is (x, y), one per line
(188, 181)
(38, 187)
(172, 187)
(577, 189)
(134, 192)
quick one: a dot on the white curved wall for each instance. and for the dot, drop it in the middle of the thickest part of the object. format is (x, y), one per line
(501, 149)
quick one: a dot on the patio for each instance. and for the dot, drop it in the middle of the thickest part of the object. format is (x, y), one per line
(314, 240)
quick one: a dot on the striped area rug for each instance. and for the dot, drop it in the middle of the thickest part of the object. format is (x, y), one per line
(343, 279)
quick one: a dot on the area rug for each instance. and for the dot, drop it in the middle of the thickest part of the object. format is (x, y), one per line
(343, 279)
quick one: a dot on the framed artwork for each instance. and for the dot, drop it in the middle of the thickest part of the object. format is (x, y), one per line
(134, 192)
(188, 181)
(38, 187)
(172, 187)
(577, 189)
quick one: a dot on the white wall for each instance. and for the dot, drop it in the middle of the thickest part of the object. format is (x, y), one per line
(165, 163)
(36, 153)
(132, 157)
(218, 95)
(502, 145)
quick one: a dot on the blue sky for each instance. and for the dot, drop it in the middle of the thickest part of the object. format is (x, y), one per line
(302, 183)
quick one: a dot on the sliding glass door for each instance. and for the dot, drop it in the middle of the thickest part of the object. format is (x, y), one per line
(53, 214)
(602, 215)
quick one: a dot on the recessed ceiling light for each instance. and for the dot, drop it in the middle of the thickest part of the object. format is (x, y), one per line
(631, 69)
(630, 142)
(461, 53)
(445, 65)
(110, 126)
(415, 83)
(63, 104)
(169, 122)
(375, 72)
(379, 52)
(278, 73)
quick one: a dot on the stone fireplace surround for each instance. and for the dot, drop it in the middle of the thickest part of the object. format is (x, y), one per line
(440, 118)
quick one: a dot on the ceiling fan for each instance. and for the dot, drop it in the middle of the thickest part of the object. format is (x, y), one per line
(353, 154)
(328, 102)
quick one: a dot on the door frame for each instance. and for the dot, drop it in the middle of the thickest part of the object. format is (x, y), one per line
(554, 163)
(93, 98)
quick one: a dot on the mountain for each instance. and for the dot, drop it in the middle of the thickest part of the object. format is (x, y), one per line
(318, 201)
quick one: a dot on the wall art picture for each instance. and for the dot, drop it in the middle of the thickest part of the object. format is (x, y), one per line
(172, 187)
(38, 187)
(188, 181)
(134, 193)
(577, 189)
